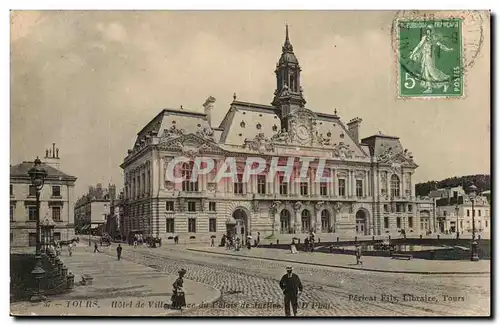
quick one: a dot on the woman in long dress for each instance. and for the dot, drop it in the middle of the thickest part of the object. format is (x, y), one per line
(423, 53)
(178, 296)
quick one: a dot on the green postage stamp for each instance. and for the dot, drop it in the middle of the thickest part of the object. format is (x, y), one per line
(430, 60)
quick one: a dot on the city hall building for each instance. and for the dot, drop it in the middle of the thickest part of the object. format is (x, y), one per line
(370, 188)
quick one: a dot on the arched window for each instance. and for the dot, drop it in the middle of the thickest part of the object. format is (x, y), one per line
(285, 221)
(325, 221)
(293, 84)
(187, 173)
(395, 185)
(306, 220)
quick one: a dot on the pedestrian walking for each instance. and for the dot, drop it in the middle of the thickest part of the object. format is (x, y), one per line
(292, 287)
(293, 248)
(178, 297)
(119, 251)
(58, 249)
(70, 249)
(96, 249)
(358, 255)
(212, 242)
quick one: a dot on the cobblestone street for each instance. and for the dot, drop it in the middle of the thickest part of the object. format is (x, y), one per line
(250, 287)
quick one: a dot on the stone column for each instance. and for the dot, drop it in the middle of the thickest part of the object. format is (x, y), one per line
(318, 209)
(161, 172)
(296, 221)
(351, 183)
(402, 183)
(388, 183)
(316, 184)
(333, 184)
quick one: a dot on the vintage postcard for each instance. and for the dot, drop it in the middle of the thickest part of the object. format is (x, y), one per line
(250, 163)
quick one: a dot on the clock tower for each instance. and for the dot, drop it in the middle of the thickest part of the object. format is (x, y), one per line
(288, 94)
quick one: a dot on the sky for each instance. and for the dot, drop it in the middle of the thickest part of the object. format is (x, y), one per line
(90, 80)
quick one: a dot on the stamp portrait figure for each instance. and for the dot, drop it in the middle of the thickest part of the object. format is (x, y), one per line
(423, 53)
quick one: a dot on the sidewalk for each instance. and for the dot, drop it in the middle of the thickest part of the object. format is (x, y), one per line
(119, 288)
(375, 264)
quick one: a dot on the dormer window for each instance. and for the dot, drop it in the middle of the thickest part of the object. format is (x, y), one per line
(259, 126)
(341, 135)
(329, 134)
(242, 124)
(275, 128)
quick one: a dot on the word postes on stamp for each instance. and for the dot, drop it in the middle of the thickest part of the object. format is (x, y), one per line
(430, 58)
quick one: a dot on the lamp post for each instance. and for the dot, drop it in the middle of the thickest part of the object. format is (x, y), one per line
(90, 231)
(472, 196)
(105, 219)
(457, 210)
(37, 175)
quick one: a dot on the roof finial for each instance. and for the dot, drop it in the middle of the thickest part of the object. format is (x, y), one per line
(234, 97)
(182, 107)
(335, 112)
(287, 47)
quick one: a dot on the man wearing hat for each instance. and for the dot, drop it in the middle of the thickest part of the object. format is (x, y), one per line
(292, 287)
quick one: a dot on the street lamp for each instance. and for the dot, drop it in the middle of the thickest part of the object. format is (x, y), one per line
(105, 219)
(457, 209)
(472, 196)
(37, 175)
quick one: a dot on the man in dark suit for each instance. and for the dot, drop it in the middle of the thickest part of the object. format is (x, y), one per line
(292, 288)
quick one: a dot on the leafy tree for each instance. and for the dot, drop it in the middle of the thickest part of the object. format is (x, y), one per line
(481, 181)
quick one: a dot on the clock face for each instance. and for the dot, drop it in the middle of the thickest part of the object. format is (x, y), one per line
(302, 132)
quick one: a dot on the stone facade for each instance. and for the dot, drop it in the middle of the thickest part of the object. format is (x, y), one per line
(454, 213)
(370, 188)
(56, 201)
(92, 209)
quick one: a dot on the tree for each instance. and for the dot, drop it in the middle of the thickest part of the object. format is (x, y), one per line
(481, 181)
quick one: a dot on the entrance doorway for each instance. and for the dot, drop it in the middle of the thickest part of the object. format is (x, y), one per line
(361, 228)
(239, 225)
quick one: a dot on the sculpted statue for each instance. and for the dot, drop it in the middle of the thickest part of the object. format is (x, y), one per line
(297, 205)
(322, 140)
(337, 207)
(342, 151)
(274, 206)
(318, 205)
(206, 133)
(281, 136)
(386, 154)
(255, 206)
(172, 132)
(285, 91)
(260, 144)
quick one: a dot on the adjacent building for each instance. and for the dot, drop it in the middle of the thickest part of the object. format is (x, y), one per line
(370, 188)
(56, 201)
(455, 211)
(114, 223)
(92, 210)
